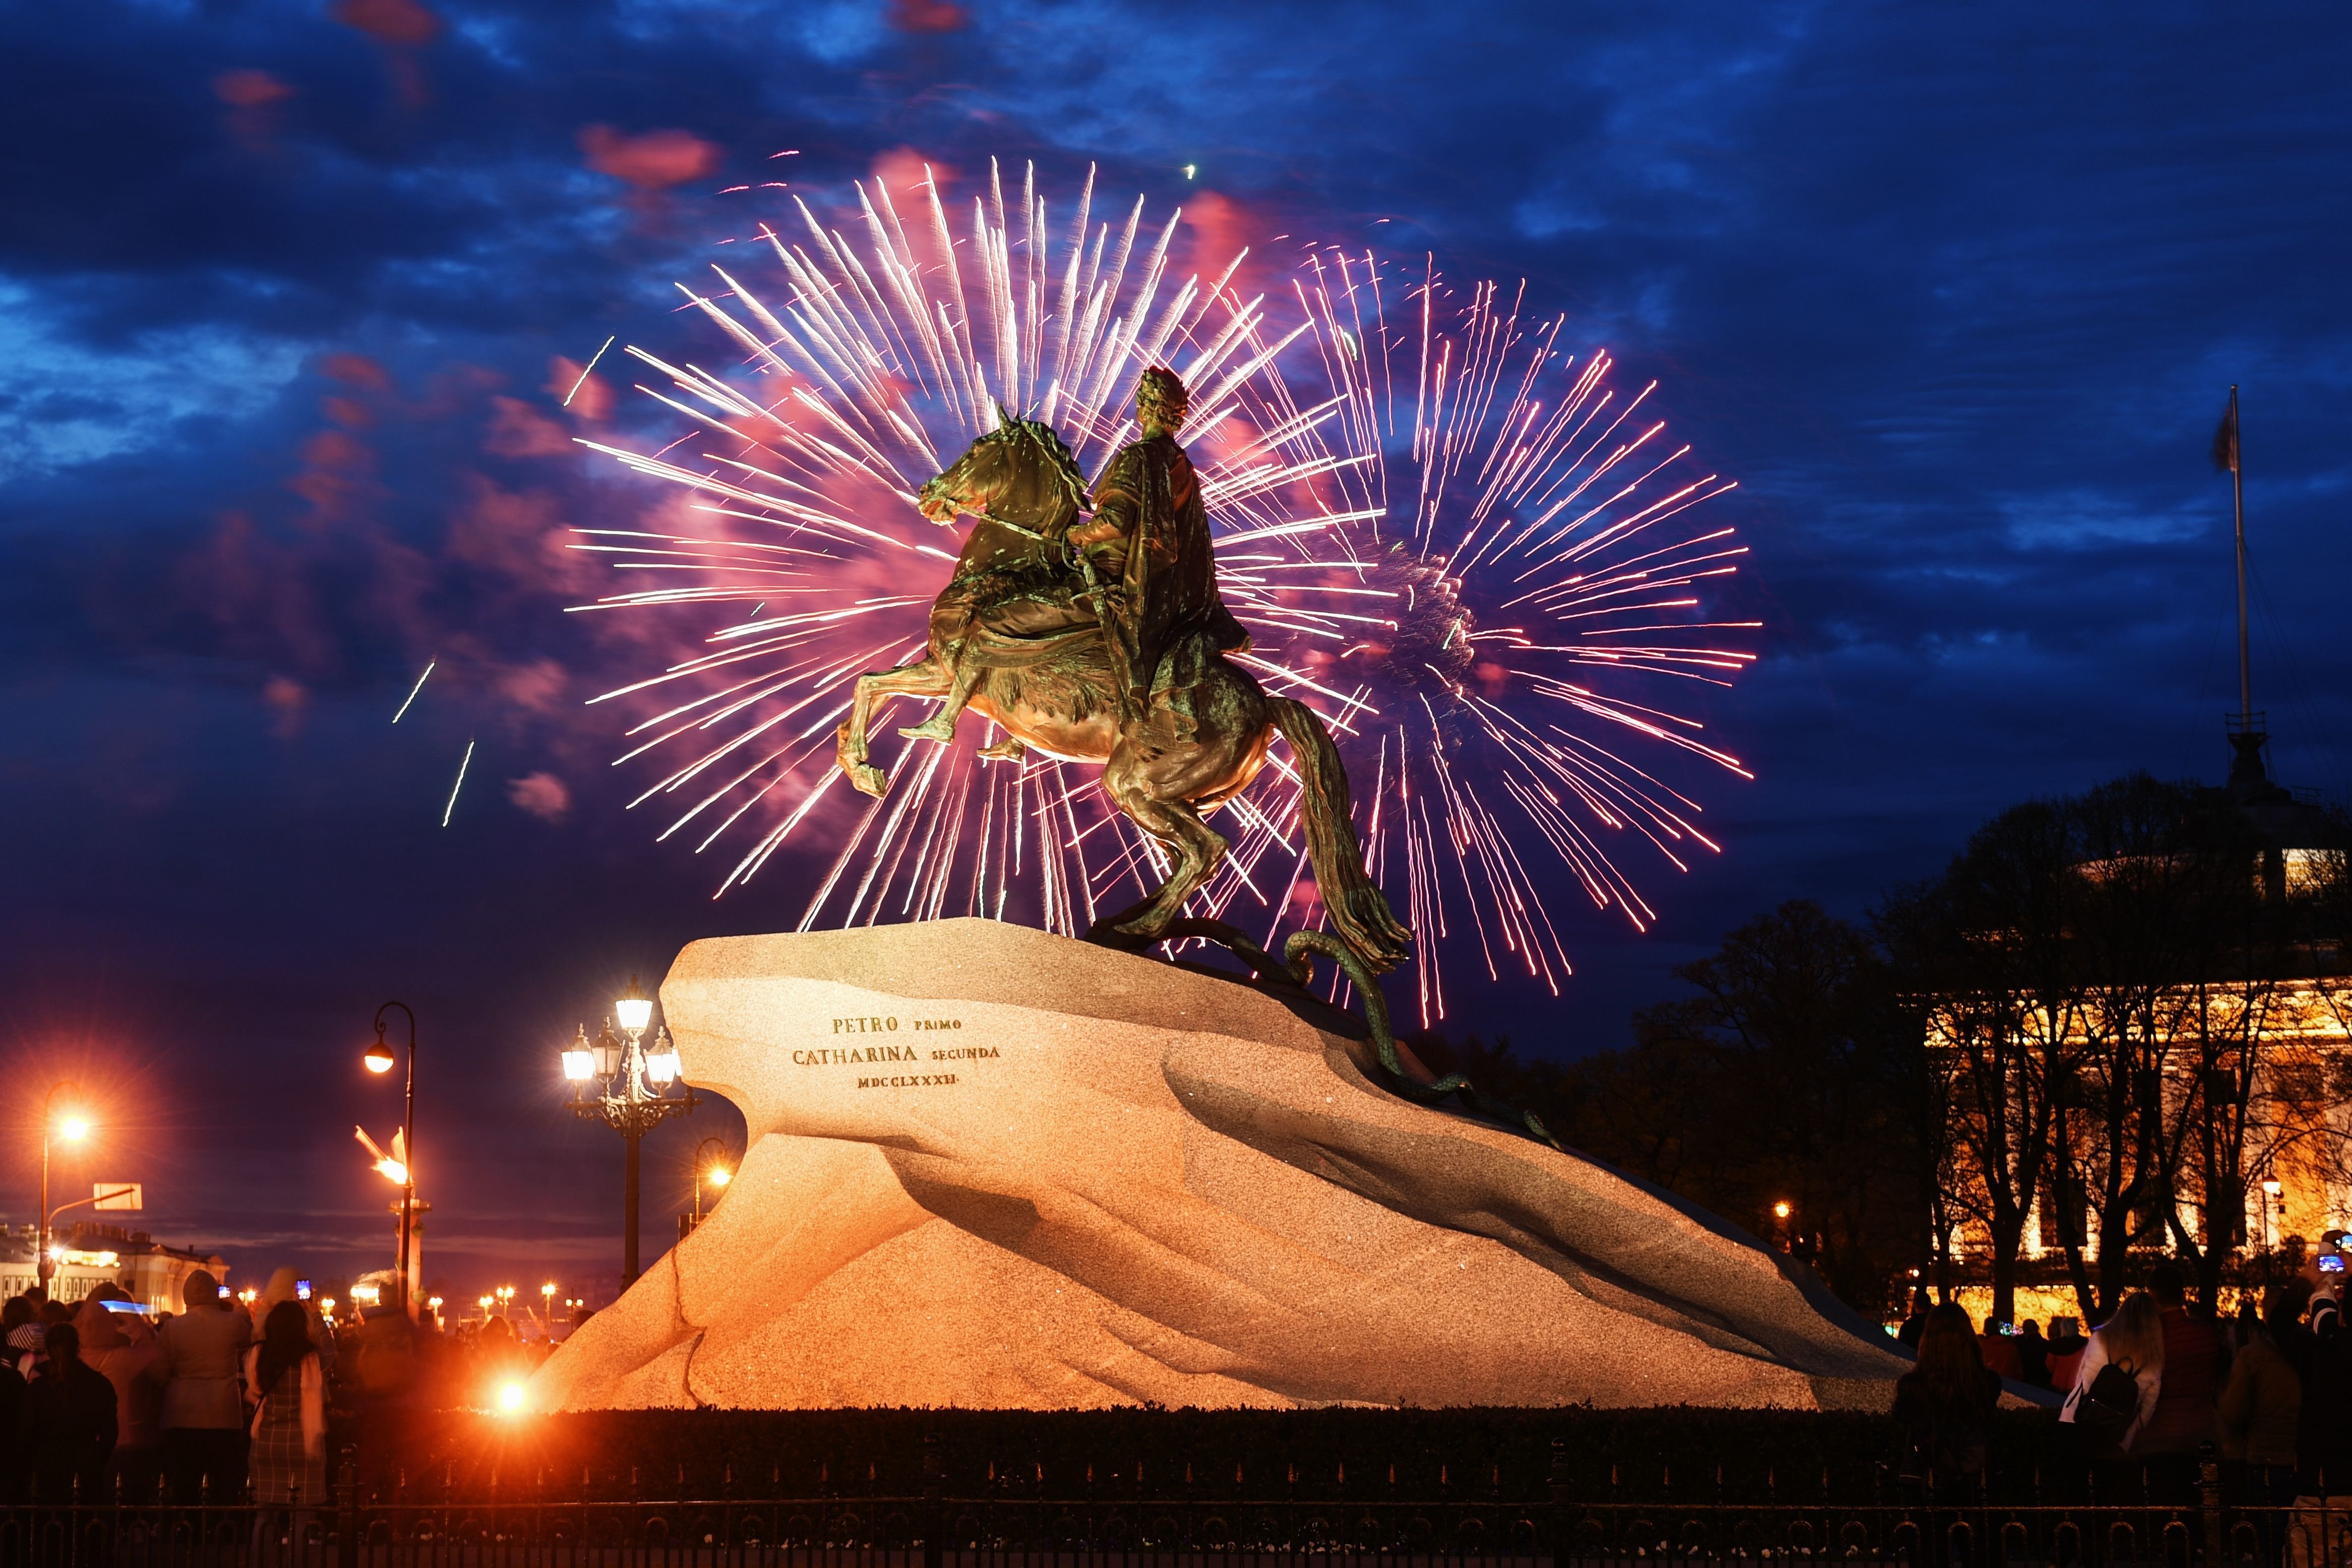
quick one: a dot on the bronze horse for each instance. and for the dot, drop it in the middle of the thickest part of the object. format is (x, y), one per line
(1057, 693)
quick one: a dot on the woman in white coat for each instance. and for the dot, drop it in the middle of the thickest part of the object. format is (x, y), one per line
(2133, 1340)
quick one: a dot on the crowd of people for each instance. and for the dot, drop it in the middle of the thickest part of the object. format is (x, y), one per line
(98, 1401)
(2147, 1391)
(223, 1400)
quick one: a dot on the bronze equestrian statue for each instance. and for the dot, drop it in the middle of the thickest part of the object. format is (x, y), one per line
(1105, 642)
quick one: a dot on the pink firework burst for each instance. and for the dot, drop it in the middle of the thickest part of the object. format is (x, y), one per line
(1441, 522)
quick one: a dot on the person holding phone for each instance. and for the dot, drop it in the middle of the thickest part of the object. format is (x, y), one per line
(1998, 1348)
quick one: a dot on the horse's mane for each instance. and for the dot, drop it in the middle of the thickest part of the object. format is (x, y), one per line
(1011, 428)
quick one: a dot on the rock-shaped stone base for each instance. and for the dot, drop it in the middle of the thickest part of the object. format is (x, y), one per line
(995, 1168)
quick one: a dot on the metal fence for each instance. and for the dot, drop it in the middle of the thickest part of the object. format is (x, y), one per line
(936, 1528)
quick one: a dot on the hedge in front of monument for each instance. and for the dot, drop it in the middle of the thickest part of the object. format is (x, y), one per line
(1674, 1453)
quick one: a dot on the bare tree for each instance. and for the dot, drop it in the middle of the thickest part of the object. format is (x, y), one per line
(1985, 947)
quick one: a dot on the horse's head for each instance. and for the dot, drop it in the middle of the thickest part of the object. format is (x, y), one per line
(1019, 472)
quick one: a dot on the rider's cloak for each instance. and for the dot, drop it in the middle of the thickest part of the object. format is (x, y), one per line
(1162, 601)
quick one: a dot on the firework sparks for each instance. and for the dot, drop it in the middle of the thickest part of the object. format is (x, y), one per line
(589, 369)
(463, 763)
(414, 690)
(1452, 533)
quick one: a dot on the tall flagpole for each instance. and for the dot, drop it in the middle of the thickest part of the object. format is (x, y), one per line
(2238, 495)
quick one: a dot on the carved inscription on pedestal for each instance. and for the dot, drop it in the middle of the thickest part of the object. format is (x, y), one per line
(892, 1053)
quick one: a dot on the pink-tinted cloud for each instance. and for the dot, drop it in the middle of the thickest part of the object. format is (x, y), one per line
(901, 169)
(591, 398)
(355, 370)
(926, 15)
(518, 536)
(1220, 229)
(518, 431)
(287, 699)
(652, 161)
(249, 89)
(537, 687)
(336, 474)
(403, 27)
(404, 23)
(542, 794)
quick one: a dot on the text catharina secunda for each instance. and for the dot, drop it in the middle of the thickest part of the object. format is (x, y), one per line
(868, 1054)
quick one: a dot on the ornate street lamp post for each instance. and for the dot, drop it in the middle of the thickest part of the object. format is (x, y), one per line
(637, 1097)
(379, 1059)
(73, 1128)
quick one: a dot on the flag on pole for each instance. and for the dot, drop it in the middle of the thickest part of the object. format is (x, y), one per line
(2225, 439)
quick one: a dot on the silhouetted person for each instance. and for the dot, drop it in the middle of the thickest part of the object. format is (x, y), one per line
(2033, 1355)
(19, 1333)
(2260, 1411)
(289, 1386)
(383, 1376)
(68, 1426)
(1916, 1323)
(203, 1414)
(12, 1453)
(2000, 1351)
(121, 1348)
(1945, 1405)
(2064, 1354)
(2183, 1420)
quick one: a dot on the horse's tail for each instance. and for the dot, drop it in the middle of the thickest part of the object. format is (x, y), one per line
(1358, 912)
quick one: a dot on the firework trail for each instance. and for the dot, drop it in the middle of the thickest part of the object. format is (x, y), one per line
(1445, 529)
(415, 689)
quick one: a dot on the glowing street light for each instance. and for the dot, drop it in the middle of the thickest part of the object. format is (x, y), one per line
(636, 1097)
(633, 1010)
(579, 1060)
(718, 1171)
(379, 1059)
(73, 1126)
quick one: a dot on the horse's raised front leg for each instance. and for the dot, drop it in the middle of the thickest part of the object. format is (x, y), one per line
(1198, 847)
(925, 678)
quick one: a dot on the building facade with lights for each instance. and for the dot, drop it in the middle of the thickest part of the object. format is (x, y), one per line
(151, 1272)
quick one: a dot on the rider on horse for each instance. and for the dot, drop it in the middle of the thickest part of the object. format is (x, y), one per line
(1150, 581)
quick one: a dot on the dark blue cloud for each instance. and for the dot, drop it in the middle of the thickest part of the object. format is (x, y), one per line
(1956, 292)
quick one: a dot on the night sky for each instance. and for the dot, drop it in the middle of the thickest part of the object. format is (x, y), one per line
(1957, 292)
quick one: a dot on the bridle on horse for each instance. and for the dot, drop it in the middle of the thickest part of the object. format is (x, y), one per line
(1062, 469)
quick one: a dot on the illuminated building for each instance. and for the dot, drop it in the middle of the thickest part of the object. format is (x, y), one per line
(149, 1270)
